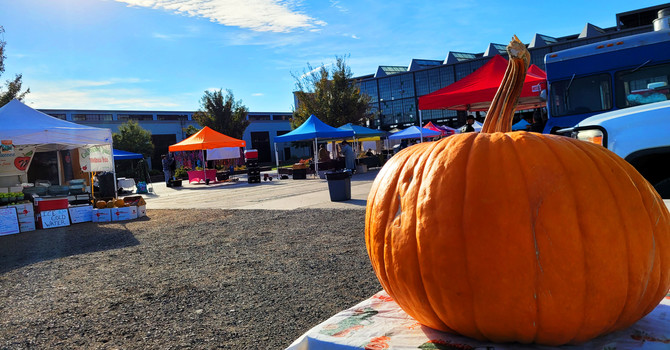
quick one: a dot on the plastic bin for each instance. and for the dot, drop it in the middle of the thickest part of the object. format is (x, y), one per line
(339, 185)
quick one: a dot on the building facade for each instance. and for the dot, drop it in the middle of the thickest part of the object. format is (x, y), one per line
(168, 127)
(395, 90)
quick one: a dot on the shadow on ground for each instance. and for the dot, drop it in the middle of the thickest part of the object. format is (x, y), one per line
(28, 248)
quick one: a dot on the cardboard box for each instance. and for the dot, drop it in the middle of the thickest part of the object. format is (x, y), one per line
(124, 213)
(101, 215)
(27, 226)
(81, 213)
(15, 189)
(25, 212)
(141, 211)
(4, 189)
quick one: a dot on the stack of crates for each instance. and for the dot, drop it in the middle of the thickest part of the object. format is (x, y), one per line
(253, 171)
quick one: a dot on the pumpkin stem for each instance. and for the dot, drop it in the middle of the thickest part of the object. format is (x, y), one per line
(500, 114)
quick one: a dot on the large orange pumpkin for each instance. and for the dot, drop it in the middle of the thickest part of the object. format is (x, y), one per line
(515, 236)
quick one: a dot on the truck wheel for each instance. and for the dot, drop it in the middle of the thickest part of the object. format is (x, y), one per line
(663, 188)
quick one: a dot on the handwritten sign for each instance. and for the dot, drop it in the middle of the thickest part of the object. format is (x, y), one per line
(80, 214)
(9, 222)
(55, 218)
(96, 158)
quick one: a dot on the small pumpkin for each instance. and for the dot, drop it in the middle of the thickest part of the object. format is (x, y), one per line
(100, 204)
(110, 204)
(119, 203)
(518, 237)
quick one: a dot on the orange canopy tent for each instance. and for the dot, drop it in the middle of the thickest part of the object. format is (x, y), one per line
(206, 138)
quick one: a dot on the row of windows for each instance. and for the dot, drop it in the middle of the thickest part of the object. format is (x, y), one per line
(411, 85)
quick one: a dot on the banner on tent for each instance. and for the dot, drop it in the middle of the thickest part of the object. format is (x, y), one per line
(15, 160)
(96, 158)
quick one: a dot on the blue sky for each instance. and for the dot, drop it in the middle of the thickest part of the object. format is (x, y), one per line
(163, 54)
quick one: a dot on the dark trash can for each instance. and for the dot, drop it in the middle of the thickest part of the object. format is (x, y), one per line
(339, 185)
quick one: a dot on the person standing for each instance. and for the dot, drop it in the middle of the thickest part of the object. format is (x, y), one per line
(468, 124)
(349, 156)
(166, 162)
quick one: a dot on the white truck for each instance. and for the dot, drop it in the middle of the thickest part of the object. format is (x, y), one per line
(640, 135)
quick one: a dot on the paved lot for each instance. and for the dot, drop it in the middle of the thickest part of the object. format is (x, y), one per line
(273, 195)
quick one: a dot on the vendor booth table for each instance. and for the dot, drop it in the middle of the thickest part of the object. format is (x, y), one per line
(201, 175)
(379, 323)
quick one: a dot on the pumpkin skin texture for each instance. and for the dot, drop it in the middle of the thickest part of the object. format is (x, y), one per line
(518, 237)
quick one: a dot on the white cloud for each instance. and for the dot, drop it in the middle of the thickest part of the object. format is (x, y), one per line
(257, 15)
(103, 94)
(258, 94)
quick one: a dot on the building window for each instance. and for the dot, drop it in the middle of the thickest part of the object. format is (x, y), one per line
(91, 117)
(258, 117)
(370, 88)
(135, 117)
(433, 80)
(446, 76)
(384, 89)
(171, 117)
(421, 82)
(58, 115)
(282, 117)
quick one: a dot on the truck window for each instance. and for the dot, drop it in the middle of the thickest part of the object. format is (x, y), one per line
(581, 95)
(643, 85)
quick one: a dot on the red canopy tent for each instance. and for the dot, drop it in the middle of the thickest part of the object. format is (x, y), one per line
(476, 91)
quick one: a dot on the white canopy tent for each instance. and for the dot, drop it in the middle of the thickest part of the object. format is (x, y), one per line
(23, 125)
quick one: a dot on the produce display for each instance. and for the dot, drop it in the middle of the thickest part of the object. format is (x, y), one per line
(114, 203)
(518, 237)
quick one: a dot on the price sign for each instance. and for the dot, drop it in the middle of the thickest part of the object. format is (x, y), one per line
(55, 218)
(80, 214)
(9, 222)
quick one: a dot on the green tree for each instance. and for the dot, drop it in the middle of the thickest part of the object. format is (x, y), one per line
(190, 130)
(222, 113)
(332, 96)
(12, 87)
(133, 138)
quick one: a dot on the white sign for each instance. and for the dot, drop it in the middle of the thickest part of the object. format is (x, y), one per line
(55, 218)
(81, 214)
(96, 158)
(9, 222)
(14, 160)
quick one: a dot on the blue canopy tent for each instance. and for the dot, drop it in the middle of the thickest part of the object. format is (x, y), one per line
(312, 128)
(520, 125)
(361, 131)
(123, 155)
(414, 132)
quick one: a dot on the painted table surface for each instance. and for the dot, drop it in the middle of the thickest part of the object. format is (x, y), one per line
(379, 323)
(199, 175)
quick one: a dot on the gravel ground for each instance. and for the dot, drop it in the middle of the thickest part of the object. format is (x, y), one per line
(182, 279)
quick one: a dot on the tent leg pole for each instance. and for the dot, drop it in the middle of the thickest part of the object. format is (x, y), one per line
(420, 126)
(204, 165)
(277, 160)
(316, 157)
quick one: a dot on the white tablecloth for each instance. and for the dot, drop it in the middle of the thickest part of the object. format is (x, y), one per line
(122, 182)
(378, 323)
